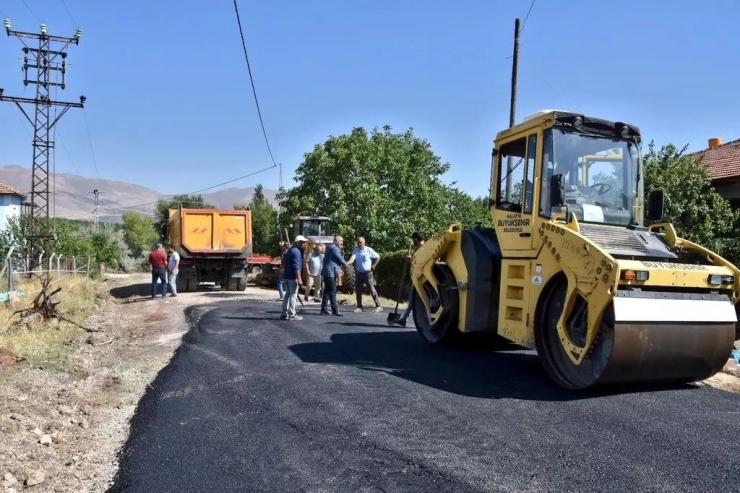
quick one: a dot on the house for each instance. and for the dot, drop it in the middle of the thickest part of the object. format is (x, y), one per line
(723, 161)
(10, 204)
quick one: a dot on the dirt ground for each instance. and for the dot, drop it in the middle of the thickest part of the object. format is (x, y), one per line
(62, 430)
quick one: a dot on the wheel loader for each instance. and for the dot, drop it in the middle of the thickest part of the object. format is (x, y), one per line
(316, 230)
(578, 265)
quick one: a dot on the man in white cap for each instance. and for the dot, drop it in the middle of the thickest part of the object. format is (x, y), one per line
(292, 266)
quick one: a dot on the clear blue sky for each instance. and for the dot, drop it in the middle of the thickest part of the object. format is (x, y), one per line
(170, 106)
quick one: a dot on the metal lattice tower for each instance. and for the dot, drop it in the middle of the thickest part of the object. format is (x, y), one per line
(50, 67)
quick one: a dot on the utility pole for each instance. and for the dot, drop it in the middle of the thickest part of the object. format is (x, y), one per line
(95, 212)
(50, 72)
(280, 207)
(512, 107)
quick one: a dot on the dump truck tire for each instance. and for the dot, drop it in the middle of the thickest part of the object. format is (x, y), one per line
(191, 285)
(241, 284)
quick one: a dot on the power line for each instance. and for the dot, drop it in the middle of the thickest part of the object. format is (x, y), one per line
(32, 12)
(525, 17)
(72, 162)
(251, 79)
(551, 86)
(197, 191)
(89, 140)
(70, 13)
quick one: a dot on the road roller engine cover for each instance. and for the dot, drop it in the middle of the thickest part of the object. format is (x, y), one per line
(578, 264)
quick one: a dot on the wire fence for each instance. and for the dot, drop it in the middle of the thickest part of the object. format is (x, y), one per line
(14, 268)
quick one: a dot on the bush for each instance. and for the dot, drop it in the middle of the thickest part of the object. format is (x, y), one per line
(388, 275)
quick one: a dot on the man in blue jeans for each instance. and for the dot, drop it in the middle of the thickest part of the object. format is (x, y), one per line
(158, 261)
(292, 266)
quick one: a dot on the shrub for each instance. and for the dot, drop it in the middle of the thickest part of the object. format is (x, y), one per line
(388, 275)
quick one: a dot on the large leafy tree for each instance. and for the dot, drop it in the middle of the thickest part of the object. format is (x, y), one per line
(187, 201)
(264, 222)
(381, 185)
(139, 232)
(698, 212)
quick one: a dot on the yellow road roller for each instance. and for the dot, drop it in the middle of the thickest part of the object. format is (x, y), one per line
(578, 264)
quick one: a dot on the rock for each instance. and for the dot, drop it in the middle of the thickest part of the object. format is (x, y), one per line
(66, 410)
(9, 480)
(732, 367)
(17, 417)
(37, 477)
(45, 440)
(84, 423)
(37, 432)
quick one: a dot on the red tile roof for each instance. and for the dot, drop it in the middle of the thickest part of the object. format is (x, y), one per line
(6, 190)
(723, 161)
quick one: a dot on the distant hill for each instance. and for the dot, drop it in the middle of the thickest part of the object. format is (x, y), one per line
(75, 200)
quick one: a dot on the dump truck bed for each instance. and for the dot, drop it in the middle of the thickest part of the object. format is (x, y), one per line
(210, 231)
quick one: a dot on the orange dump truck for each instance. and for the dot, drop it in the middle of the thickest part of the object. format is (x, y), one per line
(213, 246)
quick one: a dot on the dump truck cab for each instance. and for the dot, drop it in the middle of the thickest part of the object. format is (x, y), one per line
(571, 269)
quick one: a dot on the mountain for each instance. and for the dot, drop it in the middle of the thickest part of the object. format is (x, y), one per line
(75, 199)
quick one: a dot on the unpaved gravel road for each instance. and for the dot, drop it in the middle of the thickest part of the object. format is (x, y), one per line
(252, 403)
(63, 431)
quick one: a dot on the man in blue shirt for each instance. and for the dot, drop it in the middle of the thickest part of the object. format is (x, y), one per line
(365, 260)
(331, 270)
(292, 266)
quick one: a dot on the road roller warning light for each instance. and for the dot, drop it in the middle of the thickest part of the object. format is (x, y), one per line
(578, 264)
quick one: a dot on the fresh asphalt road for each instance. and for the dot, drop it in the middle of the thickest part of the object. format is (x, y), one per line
(253, 403)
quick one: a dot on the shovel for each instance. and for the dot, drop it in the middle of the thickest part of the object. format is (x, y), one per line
(395, 316)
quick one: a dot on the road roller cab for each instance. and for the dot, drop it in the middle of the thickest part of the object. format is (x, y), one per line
(570, 268)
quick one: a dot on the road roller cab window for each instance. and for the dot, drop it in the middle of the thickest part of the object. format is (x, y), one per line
(517, 160)
(600, 176)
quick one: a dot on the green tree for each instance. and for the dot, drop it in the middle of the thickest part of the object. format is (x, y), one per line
(187, 201)
(264, 221)
(139, 232)
(382, 185)
(467, 210)
(698, 212)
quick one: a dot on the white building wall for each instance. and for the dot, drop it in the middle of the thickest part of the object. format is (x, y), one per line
(10, 206)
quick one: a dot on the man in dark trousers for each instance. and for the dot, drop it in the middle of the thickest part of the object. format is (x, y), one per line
(332, 269)
(292, 265)
(158, 261)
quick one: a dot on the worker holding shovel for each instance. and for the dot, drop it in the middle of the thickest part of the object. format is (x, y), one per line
(418, 238)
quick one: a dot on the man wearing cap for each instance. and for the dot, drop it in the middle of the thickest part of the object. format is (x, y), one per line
(292, 266)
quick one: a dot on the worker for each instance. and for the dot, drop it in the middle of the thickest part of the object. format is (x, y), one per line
(418, 238)
(292, 266)
(313, 267)
(366, 260)
(158, 261)
(281, 284)
(173, 268)
(331, 270)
